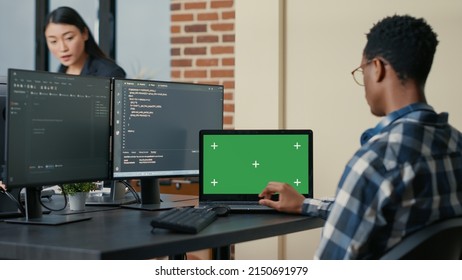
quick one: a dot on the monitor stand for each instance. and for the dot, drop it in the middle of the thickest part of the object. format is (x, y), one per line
(116, 196)
(34, 215)
(10, 215)
(150, 197)
(9, 208)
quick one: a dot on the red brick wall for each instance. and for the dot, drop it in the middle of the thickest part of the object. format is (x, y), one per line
(202, 46)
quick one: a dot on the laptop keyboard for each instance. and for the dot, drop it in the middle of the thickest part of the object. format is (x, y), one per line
(187, 220)
(244, 206)
(250, 207)
(233, 202)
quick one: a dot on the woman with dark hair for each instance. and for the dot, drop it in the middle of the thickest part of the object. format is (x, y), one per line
(69, 39)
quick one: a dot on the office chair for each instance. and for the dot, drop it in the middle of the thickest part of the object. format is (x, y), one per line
(441, 240)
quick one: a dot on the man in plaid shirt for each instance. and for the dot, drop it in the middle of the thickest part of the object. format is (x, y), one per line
(408, 172)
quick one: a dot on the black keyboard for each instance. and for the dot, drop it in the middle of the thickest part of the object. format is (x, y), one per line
(187, 219)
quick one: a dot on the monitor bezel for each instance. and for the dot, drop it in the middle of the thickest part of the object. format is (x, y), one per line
(255, 197)
(163, 173)
(8, 140)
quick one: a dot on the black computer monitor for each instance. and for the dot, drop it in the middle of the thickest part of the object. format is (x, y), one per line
(156, 131)
(8, 207)
(58, 131)
(3, 93)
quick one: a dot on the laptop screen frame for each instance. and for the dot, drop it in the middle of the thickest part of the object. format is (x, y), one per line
(251, 197)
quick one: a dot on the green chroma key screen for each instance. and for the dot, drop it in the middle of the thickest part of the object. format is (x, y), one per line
(244, 164)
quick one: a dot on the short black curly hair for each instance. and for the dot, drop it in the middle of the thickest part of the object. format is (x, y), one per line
(407, 43)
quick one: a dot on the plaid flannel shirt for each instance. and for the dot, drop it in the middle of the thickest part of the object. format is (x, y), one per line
(404, 178)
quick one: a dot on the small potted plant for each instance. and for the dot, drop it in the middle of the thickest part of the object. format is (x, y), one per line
(78, 193)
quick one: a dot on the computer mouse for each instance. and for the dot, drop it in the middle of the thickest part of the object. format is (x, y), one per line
(221, 210)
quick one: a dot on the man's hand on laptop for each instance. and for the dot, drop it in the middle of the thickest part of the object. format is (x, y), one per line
(290, 200)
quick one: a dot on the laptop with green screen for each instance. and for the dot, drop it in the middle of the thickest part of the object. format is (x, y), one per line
(235, 165)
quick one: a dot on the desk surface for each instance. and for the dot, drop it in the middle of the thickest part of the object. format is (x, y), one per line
(126, 234)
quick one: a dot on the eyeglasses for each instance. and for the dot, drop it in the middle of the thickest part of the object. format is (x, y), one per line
(358, 74)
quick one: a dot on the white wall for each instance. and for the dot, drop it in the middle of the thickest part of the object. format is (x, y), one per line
(259, 37)
(322, 41)
(143, 38)
(17, 35)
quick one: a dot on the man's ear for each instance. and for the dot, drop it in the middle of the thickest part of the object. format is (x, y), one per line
(379, 69)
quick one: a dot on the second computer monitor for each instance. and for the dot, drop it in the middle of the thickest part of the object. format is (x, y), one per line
(157, 124)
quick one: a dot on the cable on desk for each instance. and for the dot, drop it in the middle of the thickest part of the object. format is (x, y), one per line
(65, 201)
(16, 201)
(132, 190)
